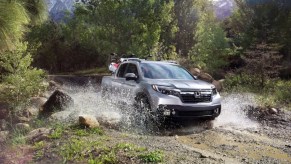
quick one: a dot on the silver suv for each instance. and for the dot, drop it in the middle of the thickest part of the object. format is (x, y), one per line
(162, 88)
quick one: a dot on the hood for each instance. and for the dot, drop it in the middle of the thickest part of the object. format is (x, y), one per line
(183, 84)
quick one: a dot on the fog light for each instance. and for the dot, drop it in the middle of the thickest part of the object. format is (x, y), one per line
(216, 111)
(167, 112)
(173, 112)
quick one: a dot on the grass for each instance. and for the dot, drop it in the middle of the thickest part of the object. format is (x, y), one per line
(18, 137)
(79, 146)
(153, 156)
(68, 144)
(82, 131)
(58, 131)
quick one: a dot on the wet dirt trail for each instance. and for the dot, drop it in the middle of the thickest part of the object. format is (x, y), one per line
(232, 138)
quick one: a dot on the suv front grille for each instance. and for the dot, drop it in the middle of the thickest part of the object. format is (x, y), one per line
(196, 96)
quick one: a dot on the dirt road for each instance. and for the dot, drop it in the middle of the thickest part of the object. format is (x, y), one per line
(238, 135)
(234, 137)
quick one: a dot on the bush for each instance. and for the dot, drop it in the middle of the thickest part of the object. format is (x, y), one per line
(18, 79)
(282, 91)
(241, 82)
(274, 91)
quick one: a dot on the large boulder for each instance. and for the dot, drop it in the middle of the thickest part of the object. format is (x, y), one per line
(88, 121)
(205, 77)
(58, 101)
(217, 85)
(195, 71)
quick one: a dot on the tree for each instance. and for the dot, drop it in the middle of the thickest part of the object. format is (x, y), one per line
(263, 61)
(15, 15)
(212, 46)
(187, 15)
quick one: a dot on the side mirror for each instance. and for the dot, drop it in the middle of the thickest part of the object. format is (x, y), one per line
(130, 76)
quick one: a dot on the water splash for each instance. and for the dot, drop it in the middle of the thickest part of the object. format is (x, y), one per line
(88, 100)
(233, 114)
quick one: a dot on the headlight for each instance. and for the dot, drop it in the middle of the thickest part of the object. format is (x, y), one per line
(166, 90)
(214, 91)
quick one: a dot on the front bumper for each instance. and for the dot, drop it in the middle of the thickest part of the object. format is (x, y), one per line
(172, 106)
(177, 111)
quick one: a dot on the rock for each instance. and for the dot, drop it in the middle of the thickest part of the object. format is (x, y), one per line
(21, 119)
(39, 134)
(3, 136)
(88, 121)
(217, 85)
(37, 102)
(58, 101)
(203, 156)
(195, 71)
(3, 124)
(22, 126)
(109, 119)
(32, 111)
(176, 137)
(205, 77)
(273, 111)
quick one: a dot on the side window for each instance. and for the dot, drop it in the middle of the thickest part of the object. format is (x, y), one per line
(121, 70)
(131, 69)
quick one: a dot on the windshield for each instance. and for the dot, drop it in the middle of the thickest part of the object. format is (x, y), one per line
(164, 71)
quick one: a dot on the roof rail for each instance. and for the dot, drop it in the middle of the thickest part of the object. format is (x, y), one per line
(131, 59)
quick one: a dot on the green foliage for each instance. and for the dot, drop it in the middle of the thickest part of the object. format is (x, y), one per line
(99, 28)
(275, 93)
(282, 92)
(39, 145)
(187, 16)
(58, 131)
(211, 49)
(262, 22)
(241, 82)
(75, 149)
(18, 137)
(263, 61)
(89, 131)
(19, 80)
(14, 17)
(154, 156)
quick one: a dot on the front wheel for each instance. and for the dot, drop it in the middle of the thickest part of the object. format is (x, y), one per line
(144, 116)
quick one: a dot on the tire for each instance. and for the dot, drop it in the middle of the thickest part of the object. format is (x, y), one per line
(144, 117)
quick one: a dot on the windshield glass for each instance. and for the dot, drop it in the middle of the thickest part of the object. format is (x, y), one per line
(164, 71)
